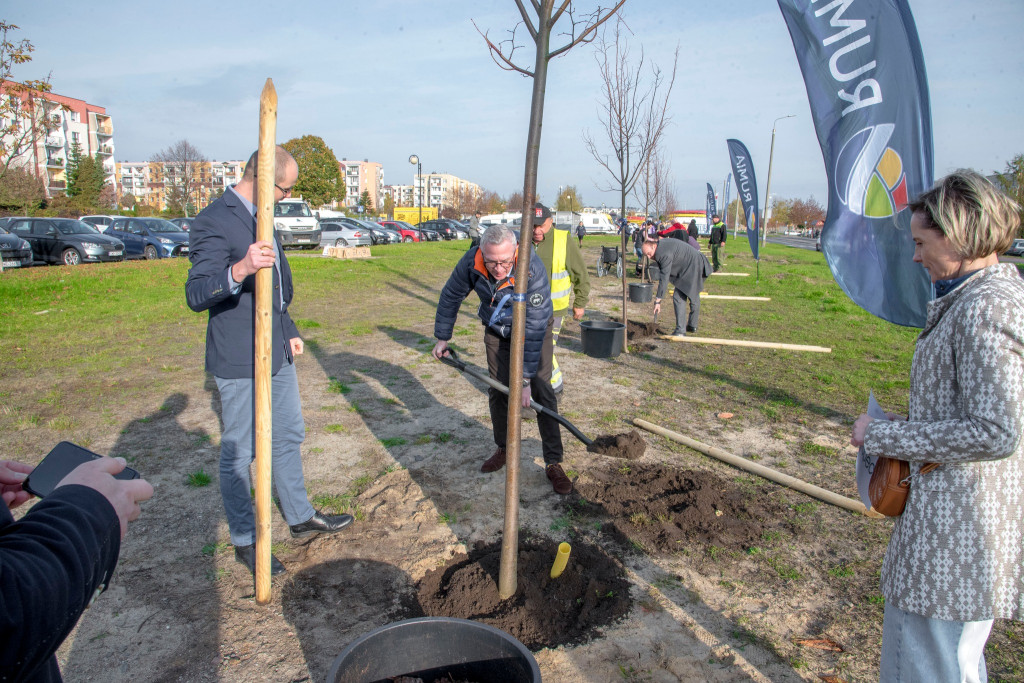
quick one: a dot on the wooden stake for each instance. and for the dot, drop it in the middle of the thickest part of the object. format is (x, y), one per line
(740, 342)
(265, 175)
(760, 470)
(735, 298)
(731, 274)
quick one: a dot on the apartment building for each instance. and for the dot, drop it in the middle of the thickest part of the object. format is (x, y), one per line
(362, 176)
(442, 190)
(155, 183)
(401, 195)
(41, 129)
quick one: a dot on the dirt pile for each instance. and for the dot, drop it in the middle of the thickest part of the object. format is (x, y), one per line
(636, 330)
(545, 612)
(628, 445)
(665, 509)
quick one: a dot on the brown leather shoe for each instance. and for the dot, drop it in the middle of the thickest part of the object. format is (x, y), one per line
(559, 482)
(495, 462)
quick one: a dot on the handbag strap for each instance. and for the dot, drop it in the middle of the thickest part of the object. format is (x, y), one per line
(928, 467)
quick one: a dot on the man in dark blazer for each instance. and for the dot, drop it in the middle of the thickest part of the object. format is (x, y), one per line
(225, 256)
(686, 268)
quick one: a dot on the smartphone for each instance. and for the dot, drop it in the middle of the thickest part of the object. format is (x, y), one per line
(64, 457)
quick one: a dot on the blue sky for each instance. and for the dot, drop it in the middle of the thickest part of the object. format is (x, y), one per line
(391, 78)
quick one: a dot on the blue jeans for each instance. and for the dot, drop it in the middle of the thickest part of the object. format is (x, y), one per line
(917, 649)
(238, 449)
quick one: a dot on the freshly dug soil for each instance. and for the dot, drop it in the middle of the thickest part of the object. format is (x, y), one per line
(545, 612)
(637, 330)
(629, 445)
(665, 509)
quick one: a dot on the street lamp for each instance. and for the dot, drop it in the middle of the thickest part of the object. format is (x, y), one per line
(768, 185)
(415, 160)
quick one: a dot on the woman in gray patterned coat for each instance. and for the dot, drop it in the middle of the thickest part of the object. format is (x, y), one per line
(955, 560)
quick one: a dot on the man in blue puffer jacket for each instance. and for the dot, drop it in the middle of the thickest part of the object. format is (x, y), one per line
(489, 270)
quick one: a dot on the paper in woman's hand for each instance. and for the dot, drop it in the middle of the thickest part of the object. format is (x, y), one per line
(865, 462)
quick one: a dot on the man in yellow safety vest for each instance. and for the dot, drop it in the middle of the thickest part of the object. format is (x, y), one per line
(566, 272)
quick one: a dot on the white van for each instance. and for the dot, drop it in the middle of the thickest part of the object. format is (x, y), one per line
(295, 224)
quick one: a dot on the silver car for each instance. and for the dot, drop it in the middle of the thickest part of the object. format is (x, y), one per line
(335, 234)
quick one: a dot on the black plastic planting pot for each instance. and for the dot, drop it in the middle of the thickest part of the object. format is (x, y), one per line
(602, 338)
(641, 292)
(435, 648)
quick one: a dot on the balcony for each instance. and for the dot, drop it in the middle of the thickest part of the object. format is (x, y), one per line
(54, 162)
(105, 150)
(54, 141)
(105, 131)
(58, 185)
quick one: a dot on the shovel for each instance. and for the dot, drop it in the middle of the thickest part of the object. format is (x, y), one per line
(452, 359)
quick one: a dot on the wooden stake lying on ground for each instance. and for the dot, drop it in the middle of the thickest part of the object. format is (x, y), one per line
(262, 421)
(741, 342)
(731, 274)
(705, 295)
(760, 470)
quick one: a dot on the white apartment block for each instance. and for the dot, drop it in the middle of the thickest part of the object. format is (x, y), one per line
(49, 125)
(401, 195)
(437, 189)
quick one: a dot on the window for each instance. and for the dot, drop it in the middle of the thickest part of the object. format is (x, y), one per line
(75, 137)
(75, 117)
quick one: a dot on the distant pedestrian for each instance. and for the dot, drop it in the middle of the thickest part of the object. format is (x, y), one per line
(718, 234)
(581, 232)
(692, 231)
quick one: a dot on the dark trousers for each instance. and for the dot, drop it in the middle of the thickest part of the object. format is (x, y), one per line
(679, 303)
(715, 264)
(498, 354)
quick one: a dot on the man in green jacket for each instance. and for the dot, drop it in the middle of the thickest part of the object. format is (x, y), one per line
(564, 264)
(718, 235)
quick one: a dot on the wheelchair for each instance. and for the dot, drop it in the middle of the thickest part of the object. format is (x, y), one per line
(608, 259)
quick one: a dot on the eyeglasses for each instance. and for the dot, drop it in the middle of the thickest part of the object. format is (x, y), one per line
(284, 190)
(504, 264)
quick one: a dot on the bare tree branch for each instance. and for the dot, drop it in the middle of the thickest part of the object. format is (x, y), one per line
(504, 62)
(526, 17)
(590, 32)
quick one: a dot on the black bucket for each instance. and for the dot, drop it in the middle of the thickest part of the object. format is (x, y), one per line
(435, 648)
(602, 338)
(641, 292)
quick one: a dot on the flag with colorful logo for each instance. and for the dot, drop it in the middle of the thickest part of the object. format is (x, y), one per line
(865, 79)
(746, 188)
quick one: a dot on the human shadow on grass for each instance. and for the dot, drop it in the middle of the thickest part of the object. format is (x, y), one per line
(168, 587)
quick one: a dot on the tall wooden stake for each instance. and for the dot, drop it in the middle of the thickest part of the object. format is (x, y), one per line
(265, 174)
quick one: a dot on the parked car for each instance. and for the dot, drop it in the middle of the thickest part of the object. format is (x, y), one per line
(377, 231)
(429, 235)
(389, 236)
(149, 238)
(100, 222)
(66, 240)
(15, 252)
(1016, 249)
(334, 233)
(408, 233)
(441, 227)
(184, 223)
(295, 224)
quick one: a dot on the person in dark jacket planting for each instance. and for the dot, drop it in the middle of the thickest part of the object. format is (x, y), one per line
(489, 270)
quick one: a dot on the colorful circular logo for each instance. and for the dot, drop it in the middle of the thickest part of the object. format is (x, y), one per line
(870, 178)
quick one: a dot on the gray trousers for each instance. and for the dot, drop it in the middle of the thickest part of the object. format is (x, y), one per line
(238, 449)
(679, 303)
(917, 649)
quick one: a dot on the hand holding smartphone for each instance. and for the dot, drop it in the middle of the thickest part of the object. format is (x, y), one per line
(58, 463)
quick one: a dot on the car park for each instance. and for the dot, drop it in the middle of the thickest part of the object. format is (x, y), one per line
(334, 233)
(1016, 249)
(149, 238)
(66, 240)
(429, 235)
(375, 230)
(15, 251)
(408, 233)
(295, 224)
(184, 223)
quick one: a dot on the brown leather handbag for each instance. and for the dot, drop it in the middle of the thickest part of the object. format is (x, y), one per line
(890, 485)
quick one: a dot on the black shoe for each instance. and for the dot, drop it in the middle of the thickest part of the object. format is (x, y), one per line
(320, 524)
(558, 389)
(691, 329)
(246, 554)
(678, 333)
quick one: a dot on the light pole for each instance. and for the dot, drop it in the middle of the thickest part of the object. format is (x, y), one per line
(415, 160)
(768, 185)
